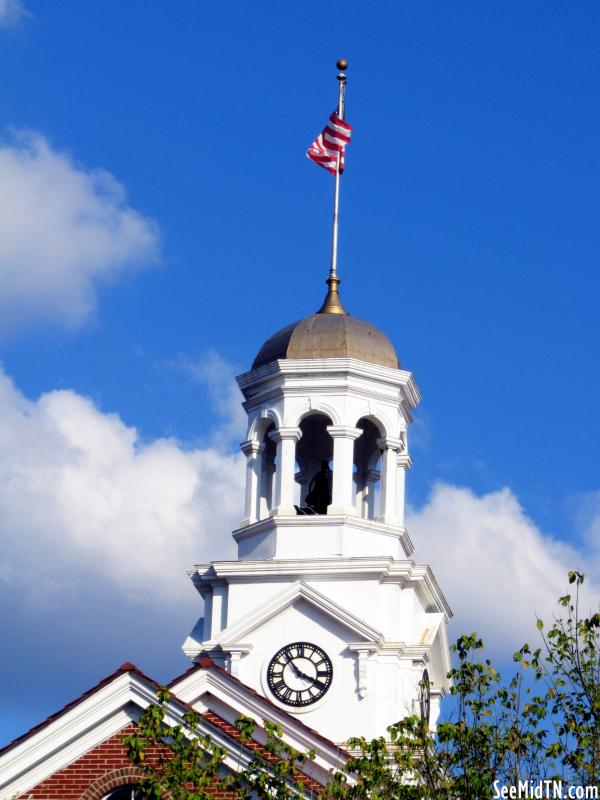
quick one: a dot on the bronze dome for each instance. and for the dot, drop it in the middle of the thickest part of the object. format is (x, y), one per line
(324, 335)
(330, 333)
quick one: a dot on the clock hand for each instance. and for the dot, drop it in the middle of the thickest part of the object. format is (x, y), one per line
(295, 668)
(299, 672)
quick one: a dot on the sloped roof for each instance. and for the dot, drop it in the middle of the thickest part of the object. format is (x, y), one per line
(66, 735)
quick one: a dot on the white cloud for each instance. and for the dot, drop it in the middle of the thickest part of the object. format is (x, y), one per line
(81, 495)
(217, 376)
(98, 529)
(496, 568)
(64, 232)
(12, 12)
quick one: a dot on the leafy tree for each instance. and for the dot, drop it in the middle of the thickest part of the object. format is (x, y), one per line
(569, 665)
(183, 762)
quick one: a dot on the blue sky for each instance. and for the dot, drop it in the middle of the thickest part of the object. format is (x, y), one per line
(161, 220)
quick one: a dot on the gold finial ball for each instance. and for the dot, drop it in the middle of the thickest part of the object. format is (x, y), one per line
(342, 64)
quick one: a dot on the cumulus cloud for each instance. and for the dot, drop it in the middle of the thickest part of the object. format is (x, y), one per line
(98, 528)
(11, 13)
(495, 566)
(65, 231)
(81, 494)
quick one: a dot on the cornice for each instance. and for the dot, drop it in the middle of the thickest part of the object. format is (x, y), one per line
(386, 569)
(329, 366)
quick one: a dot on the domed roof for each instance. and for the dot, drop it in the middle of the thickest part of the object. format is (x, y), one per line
(330, 333)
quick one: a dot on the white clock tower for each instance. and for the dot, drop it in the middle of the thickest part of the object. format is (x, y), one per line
(324, 612)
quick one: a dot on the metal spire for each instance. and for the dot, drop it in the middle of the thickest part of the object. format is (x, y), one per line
(333, 303)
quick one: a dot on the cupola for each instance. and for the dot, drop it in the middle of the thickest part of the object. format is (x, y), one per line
(327, 449)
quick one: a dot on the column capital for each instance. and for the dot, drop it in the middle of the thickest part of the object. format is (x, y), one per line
(390, 443)
(404, 460)
(344, 431)
(252, 447)
(283, 434)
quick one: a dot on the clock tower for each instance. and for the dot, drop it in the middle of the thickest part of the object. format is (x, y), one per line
(325, 612)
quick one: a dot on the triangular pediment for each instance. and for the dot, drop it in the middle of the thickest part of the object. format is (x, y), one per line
(358, 630)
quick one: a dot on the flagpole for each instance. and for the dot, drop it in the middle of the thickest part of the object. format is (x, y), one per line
(342, 65)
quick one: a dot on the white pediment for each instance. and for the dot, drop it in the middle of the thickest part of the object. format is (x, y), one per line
(237, 634)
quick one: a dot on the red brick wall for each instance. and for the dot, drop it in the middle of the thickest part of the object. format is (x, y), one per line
(92, 776)
(106, 767)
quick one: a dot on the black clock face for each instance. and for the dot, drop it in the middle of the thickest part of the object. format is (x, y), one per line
(299, 674)
(425, 697)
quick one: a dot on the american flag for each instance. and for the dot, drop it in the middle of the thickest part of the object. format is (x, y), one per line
(325, 148)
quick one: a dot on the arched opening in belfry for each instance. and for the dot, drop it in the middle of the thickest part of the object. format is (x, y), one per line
(267, 473)
(367, 470)
(314, 455)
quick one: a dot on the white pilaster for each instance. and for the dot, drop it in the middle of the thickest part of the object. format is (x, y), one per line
(390, 448)
(219, 609)
(285, 438)
(253, 451)
(343, 460)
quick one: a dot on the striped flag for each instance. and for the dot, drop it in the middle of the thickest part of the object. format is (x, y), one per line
(325, 148)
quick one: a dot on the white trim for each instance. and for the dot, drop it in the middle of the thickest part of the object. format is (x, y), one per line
(367, 526)
(389, 570)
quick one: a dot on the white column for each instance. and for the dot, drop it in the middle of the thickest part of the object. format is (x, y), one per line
(361, 494)
(265, 500)
(373, 475)
(253, 450)
(390, 447)
(283, 502)
(343, 461)
(403, 463)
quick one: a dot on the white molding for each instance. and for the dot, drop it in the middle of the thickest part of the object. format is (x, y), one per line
(388, 570)
(324, 521)
(316, 406)
(307, 366)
